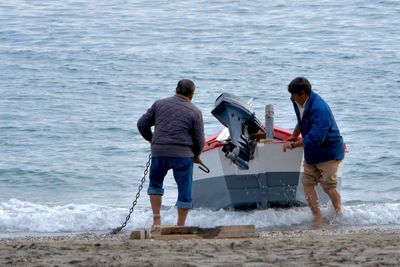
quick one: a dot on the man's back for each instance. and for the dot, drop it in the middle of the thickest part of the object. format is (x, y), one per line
(179, 130)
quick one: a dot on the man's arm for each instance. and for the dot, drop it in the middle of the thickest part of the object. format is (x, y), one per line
(145, 123)
(293, 141)
(295, 134)
(321, 123)
(198, 136)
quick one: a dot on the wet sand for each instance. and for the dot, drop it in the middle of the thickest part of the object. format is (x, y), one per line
(322, 247)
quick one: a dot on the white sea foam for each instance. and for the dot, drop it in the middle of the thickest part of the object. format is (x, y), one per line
(18, 218)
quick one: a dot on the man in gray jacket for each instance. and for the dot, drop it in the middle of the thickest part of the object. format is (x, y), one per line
(177, 142)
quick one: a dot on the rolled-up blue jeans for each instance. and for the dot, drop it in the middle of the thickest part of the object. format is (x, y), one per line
(183, 173)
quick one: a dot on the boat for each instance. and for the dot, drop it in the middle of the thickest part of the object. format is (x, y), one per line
(246, 168)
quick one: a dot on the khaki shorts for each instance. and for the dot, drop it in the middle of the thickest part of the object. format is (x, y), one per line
(324, 173)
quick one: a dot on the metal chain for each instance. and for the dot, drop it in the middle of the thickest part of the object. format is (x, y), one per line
(116, 230)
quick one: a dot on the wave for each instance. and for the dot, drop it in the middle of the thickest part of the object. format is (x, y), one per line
(19, 218)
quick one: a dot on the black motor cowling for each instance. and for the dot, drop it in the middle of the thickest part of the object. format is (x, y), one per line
(242, 124)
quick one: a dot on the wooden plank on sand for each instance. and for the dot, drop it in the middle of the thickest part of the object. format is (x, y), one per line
(194, 232)
(167, 230)
(203, 236)
(138, 234)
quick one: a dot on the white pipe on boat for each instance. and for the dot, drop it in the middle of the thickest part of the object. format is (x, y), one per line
(269, 121)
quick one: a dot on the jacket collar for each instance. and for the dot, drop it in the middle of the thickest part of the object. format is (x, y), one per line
(309, 101)
(183, 97)
(306, 107)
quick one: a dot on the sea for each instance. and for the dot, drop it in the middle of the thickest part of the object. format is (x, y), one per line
(75, 76)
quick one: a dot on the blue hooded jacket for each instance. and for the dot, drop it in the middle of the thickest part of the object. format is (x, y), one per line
(321, 136)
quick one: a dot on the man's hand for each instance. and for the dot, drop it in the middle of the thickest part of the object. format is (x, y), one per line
(287, 145)
(197, 159)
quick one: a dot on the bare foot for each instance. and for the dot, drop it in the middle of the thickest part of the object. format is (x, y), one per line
(318, 221)
(156, 220)
(339, 212)
(155, 230)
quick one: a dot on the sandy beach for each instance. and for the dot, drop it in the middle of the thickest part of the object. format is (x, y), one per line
(322, 247)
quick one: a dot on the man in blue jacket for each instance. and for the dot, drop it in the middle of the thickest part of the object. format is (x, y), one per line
(176, 144)
(322, 142)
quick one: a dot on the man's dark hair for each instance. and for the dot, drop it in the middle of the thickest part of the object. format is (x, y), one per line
(185, 87)
(299, 85)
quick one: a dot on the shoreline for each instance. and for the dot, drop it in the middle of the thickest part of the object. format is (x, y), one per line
(320, 247)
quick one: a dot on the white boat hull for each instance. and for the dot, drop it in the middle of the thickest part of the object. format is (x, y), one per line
(272, 180)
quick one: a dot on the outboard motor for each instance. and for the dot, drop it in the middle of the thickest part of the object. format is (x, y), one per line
(242, 124)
